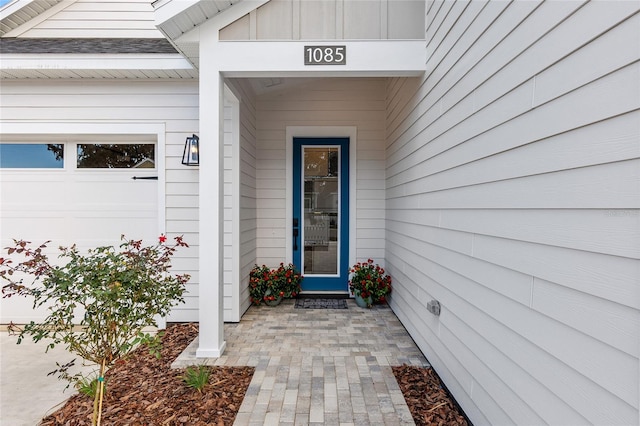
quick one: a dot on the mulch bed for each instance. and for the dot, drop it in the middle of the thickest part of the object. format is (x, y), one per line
(144, 390)
(428, 401)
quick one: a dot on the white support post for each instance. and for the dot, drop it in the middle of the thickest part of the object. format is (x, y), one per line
(211, 340)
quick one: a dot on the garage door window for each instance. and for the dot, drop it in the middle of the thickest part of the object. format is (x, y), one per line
(31, 156)
(116, 156)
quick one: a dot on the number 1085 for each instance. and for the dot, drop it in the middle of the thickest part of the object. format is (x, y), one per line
(325, 55)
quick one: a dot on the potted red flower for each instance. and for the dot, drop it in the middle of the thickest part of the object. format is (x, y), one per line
(369, 283)
(272, 285)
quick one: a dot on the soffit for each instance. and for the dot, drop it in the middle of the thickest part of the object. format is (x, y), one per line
(96, 74)
(177, 17)
(15, 14)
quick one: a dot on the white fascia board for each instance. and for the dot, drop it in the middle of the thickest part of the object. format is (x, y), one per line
(384, 58)
(93, 62)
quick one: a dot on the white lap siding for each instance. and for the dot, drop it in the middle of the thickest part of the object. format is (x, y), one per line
(91, 19)
(240, 199)
(513, 198)
(248, 213)
(329, 102)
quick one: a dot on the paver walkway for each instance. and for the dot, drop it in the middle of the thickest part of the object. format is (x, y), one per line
(318, 366)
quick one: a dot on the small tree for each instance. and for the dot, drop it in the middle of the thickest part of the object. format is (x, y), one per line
(119, 291)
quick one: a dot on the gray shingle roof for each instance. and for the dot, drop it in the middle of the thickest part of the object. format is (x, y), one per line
(85, 45)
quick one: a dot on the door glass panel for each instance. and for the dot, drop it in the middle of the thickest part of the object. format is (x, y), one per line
(321, 210)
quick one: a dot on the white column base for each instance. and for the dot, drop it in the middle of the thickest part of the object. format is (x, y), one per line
(211, 353)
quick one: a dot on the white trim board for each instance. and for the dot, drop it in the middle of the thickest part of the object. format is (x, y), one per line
(379, 58)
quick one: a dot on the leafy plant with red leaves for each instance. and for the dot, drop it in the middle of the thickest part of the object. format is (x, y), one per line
(369, 279)
(267, 284)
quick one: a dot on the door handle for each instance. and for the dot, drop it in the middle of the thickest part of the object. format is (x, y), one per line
(295, 234)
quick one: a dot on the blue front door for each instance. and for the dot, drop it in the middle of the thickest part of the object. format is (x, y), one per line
(321, 212)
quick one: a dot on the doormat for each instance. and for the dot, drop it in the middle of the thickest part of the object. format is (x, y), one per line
(313, 303)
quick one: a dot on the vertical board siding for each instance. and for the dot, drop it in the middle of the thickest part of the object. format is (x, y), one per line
(512, 198)
(95, 18)
(175, 104)
(330, 20)
(330, 102)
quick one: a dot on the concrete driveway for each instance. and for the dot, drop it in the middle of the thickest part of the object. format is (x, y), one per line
(27, 394)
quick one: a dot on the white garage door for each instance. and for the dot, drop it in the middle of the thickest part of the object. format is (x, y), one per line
(84, 193)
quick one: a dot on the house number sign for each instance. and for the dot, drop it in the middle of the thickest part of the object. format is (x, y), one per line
(325, 55)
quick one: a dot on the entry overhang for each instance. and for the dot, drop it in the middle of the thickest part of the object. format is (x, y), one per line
(237, 59)
(376, 58)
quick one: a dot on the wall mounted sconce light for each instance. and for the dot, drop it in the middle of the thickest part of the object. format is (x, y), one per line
(191, 154)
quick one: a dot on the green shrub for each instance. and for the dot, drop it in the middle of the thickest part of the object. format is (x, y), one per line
(121, 291)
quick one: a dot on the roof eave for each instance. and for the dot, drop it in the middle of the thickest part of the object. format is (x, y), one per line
(79, 65)
(177, 17)
(93, 61)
